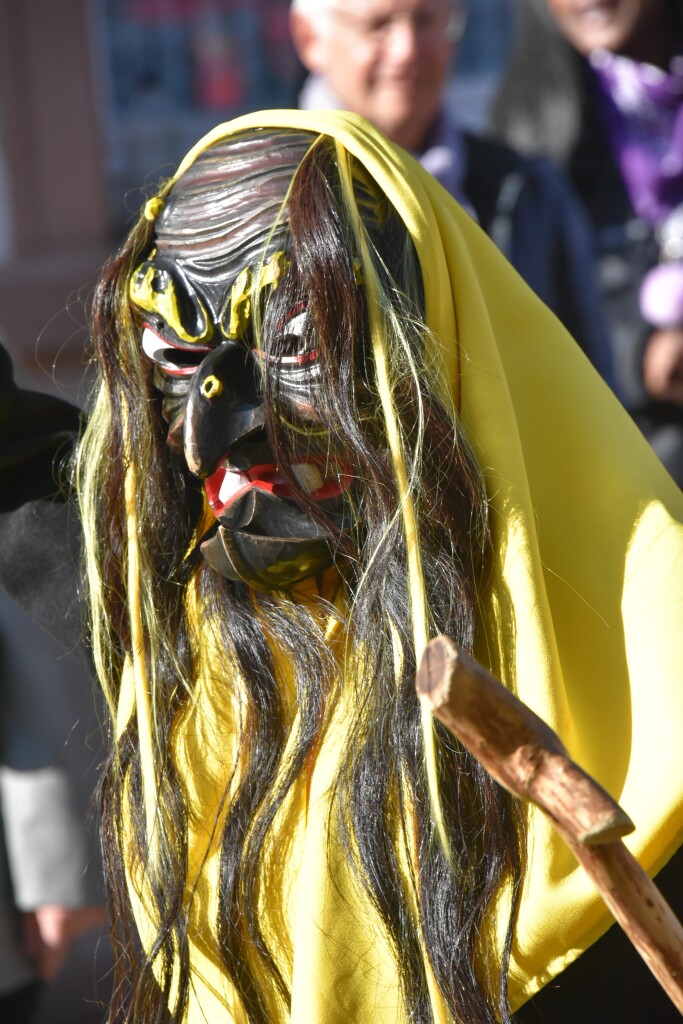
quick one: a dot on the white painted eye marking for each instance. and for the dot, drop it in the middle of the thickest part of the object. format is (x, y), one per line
(297, 362)
(295, 326)
(157, 349)
(152, 345)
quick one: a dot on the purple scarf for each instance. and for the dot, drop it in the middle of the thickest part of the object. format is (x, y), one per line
(642, 108)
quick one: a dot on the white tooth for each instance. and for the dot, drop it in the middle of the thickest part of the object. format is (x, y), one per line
(232, 482)
(308, 477)
(153, 346)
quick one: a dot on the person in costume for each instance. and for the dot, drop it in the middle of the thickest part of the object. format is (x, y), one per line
(329, 424)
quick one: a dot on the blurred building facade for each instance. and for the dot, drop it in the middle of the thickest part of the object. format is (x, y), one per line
(98, 101)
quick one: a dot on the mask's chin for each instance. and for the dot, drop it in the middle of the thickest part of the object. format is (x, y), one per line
(268, 542)
(265, 563)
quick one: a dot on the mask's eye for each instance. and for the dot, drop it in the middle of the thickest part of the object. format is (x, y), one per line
(175, 359)
(290, 350)
(160, 287)
(293, 364)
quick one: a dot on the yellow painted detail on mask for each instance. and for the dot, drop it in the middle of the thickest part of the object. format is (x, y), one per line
(272, 271)
(146, 293)
(153, 208)
(240, 304)
(212, 387)
(247, 285)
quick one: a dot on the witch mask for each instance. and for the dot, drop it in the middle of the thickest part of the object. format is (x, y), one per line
(233, 352)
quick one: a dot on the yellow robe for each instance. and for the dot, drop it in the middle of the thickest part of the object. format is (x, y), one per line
(582, 618)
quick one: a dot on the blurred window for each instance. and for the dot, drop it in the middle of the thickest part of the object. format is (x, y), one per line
(481, 58)
(175, 68)
(172, 69)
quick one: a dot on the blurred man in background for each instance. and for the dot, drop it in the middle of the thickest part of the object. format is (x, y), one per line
(390, 60)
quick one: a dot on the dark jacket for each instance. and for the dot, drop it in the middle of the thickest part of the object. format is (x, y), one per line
(39, 528)
(529, 210)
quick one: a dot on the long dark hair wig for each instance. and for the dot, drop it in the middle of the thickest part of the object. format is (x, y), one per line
(436, 868)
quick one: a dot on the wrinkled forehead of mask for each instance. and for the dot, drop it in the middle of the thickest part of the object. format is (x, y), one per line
(226, 211)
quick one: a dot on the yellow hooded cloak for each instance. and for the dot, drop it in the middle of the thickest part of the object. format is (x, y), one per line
(581, 617)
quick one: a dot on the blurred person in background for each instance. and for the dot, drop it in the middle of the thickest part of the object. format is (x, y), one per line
(390, 60)
(51, 900)
(599, 88)
(50, 884)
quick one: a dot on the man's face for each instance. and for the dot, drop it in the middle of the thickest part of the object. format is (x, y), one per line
(385, 59)
(212, 374)
(620, 26)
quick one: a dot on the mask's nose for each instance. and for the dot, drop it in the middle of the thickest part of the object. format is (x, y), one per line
(224, 406)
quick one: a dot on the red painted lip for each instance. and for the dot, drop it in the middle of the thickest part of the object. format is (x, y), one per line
(227, 485)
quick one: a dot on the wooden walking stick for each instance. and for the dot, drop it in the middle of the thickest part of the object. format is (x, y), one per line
(526, 757)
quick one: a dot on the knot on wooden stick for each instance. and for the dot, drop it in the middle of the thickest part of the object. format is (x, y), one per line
(515, 746)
